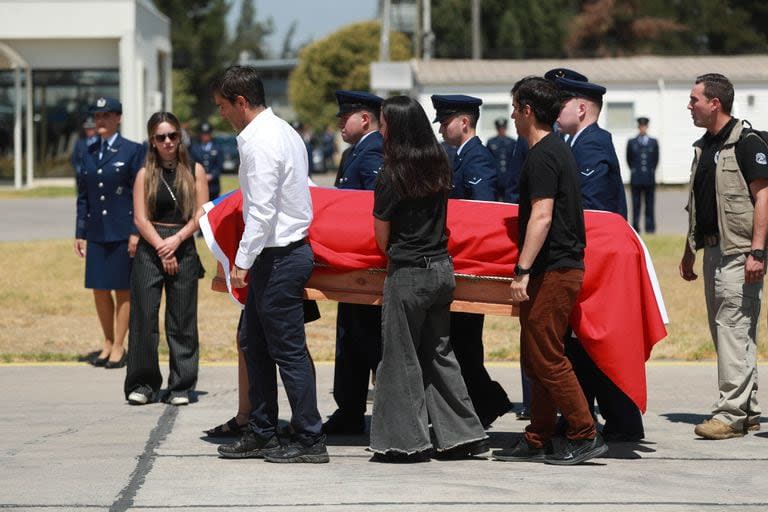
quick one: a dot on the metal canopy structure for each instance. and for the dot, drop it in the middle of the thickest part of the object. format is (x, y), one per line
(10, 59)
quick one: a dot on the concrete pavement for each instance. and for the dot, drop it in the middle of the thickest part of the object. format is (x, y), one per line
(68, 441)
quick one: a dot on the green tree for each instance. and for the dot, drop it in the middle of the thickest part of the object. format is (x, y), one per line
(340, 61)
(250, 33)
(509, 30)
(606, 28)
(200, 47)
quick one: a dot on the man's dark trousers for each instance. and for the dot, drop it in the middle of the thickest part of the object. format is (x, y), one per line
(358, 352)
(275, 338)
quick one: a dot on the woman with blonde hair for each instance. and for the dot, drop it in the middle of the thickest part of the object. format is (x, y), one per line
(168, 195)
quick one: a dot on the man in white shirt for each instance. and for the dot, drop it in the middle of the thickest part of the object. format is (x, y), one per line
(276, 260)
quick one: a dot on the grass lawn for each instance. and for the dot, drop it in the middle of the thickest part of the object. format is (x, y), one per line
(52, 317)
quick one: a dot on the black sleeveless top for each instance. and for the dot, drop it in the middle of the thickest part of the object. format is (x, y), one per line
(167, 211)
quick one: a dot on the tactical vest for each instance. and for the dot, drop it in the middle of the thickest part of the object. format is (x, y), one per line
(735, 211)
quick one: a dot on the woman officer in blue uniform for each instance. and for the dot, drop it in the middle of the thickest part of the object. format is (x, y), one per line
(105, 226)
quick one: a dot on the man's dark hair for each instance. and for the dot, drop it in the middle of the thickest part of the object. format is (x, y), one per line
(240, 81)
(717, 86)
(541, 95)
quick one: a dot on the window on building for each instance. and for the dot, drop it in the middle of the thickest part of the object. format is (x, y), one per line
(61, 100)
(620, 116)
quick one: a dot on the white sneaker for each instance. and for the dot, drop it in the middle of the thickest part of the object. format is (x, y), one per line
(136, 398)
(179, 400)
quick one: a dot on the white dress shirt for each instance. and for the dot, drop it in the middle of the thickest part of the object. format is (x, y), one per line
(273, 175)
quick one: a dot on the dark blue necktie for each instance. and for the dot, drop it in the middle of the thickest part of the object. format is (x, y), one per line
(104, 148)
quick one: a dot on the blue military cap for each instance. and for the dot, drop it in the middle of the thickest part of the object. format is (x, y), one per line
(106, 105)
(643, 121)
(574, 84)
(352, 101)
(500, 122)
(447, 105)
(206, 127)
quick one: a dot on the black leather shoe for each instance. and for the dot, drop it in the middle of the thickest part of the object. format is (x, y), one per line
(111, 365)
(521, 452)
(341, 423)
(576, 451)
(465, 450)
(295, 452)
(249, 446)
(523, 413)
(99, 362)
(402, 458)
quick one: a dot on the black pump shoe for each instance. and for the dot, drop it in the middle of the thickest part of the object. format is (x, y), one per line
(111, 365)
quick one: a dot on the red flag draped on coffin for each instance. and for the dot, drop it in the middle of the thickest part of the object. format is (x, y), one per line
(619, 315)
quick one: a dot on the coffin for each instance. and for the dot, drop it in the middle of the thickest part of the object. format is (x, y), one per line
(618, 317)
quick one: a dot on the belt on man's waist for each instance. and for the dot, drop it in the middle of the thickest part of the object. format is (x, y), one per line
(285, 249)
(711, 240)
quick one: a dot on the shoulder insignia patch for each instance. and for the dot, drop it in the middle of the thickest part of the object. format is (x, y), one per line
(760, 158)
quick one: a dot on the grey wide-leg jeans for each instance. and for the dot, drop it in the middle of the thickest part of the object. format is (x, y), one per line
(418, 379)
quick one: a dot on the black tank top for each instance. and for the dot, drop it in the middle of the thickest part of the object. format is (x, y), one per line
(167, 210)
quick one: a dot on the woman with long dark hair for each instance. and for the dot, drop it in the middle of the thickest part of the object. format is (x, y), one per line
(168, 196)
(418, 379)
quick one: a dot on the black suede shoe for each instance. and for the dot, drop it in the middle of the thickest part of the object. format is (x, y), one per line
(296, 452)
(465, 450)
(576, 451)
(341, 423)
(521, 452)
(402, 458)
(249, 446)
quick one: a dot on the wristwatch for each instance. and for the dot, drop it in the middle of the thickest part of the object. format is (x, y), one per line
(520, 271)
(757, 254)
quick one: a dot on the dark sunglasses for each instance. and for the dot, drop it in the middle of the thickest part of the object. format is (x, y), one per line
(172, 136)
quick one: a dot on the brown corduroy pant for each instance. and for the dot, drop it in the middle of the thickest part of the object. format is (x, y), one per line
(544, 319)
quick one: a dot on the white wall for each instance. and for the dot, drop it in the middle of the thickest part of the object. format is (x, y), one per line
(129, 35)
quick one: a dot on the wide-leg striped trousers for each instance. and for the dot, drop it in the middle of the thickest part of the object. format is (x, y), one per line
(147, 282)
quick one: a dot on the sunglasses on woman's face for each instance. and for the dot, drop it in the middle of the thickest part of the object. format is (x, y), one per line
(172, 136)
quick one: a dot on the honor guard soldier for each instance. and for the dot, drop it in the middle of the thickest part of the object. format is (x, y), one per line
(358, 326)
(207, 152)
(599, 172)
(503, 149)
(601, 189)
(81, 146)
(474, 177)
(105, 223)
(643, 157)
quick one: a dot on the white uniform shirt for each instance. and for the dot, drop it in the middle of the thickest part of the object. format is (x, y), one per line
(277, 207)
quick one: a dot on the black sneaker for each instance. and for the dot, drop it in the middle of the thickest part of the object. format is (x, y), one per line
(465, 450)
(249, 446)
(521, 452)
(576, 451)
(296, 452)
(402, 458)
(341, 423)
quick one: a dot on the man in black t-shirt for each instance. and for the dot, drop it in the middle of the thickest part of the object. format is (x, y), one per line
(728, 218)
(547, 281)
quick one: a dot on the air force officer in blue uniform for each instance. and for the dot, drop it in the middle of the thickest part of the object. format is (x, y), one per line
(105, 225)
(474, 177)
(601, 189)
(643, 157)
(599, 171)
(207, 152)
(358, 326)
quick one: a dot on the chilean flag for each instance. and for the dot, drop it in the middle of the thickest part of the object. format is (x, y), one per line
(619, 315)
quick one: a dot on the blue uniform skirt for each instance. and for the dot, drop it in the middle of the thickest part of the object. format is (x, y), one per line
(108, 266)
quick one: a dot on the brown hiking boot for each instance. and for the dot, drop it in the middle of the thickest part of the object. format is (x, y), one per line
(716, 429)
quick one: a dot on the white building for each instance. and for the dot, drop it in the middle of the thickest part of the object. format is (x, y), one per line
(654, 87)
(64, 54)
